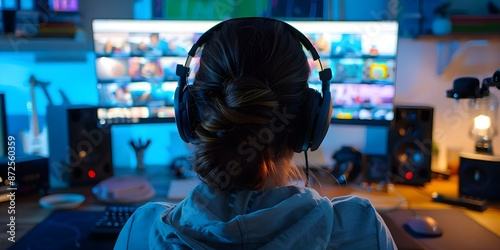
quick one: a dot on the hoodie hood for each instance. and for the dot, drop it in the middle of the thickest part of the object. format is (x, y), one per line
(281, 218)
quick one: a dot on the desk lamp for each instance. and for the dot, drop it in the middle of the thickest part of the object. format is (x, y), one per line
(479, 172)
(482, 106)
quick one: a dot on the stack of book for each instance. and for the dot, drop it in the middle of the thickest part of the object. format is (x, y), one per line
(32, 23)
(60, 24)
(475, 24)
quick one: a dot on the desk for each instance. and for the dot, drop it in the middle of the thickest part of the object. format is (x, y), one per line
(421, 198)
(29, 213)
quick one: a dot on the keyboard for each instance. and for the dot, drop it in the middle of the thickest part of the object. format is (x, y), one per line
(112, 220)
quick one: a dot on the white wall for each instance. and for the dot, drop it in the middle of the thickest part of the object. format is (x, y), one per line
(418, 83)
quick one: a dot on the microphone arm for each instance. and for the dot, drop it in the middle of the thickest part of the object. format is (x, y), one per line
(495, 79)
(42, 85)
(488, 82)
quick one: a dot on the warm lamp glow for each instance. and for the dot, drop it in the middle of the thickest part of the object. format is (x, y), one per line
(482, 122)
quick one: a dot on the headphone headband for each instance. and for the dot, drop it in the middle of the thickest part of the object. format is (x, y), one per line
(209, 33)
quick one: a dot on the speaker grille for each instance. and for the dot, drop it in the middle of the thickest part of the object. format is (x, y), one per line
(80, 150)
(479, 178)
(410, 144)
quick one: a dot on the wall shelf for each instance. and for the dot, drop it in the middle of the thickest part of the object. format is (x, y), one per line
(33, 44)
(461, 36)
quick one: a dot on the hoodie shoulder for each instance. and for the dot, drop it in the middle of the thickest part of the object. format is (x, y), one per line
(136, 232)
(357, 225)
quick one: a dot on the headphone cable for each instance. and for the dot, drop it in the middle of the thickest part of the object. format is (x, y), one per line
(307, 168)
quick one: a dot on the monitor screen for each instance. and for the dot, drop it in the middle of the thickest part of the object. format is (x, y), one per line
(362, 56)
(135, 66)
(136, 62)
(63, 5)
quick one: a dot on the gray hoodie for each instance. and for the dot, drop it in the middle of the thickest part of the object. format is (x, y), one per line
(282, 218)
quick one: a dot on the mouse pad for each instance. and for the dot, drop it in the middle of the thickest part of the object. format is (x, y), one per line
(459, 231)
(65, 229)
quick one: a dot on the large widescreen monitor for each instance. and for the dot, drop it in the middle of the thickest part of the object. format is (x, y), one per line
(136, 61)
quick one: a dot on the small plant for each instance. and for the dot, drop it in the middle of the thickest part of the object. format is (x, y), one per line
(442, 10)
(441, 24)
(435, 148)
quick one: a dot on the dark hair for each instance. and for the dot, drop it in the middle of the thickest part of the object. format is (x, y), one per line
(250, 89)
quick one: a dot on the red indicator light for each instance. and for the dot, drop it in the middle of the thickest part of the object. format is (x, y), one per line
(91, 174)
(409, 175)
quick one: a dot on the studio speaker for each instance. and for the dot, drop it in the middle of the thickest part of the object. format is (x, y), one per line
(31, 174)
(8, 18)
(478, 176)
(410, 144)
(79, 149)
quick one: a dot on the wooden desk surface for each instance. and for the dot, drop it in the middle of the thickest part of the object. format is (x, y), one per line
(422, 198)
(412, 197)
(29, 213)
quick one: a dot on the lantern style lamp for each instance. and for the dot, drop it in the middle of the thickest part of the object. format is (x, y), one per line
(484, 122)
(483, 108)
(478, 172)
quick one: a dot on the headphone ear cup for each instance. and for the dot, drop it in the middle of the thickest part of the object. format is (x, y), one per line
(322, 121)
(185, 114)
(304, 136)
(318, 113)
(349, 165)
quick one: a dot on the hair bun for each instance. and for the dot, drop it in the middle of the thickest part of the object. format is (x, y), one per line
(248, 89)
(252, 79)
(249, 82)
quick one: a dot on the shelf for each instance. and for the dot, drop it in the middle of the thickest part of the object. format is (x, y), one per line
(461, 37)
(33, 44)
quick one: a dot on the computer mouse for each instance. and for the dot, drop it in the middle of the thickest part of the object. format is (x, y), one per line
(423, 226)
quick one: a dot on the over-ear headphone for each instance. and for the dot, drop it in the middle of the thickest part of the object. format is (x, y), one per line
(349, 165)
(318, 109)
(181, 167)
